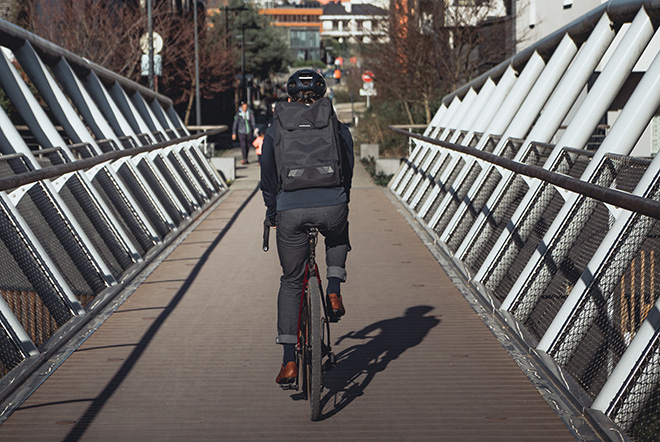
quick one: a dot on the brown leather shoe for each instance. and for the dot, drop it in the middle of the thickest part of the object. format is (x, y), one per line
(336, 305)
(288, 373)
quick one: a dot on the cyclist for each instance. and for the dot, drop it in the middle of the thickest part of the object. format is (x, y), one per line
(290, 210)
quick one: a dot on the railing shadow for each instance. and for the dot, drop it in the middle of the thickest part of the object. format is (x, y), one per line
(358, 364)
(98, 403)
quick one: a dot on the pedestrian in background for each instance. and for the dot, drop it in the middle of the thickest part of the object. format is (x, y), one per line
(242, 129)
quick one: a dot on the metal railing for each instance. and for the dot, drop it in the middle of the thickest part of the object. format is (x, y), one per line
(560, 234)
(98, 175)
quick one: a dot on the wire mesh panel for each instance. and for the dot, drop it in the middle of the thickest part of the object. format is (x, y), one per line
(443, 189)
(458, 193)
(160, 138)
(613, 308)
(414, 170)
(434, 190)
(422, 172)
(82, 150)
(144, 199)
(50, 157)
(567, 256)
(429, 185)
(97, 227)
(429, 208)
(474, 207)
(204, 165)
(521, 244)
(163, 196)
(540, 302)
(132, 223)
(638, 410)
(185, 176)
(172, 181)
(11, 165)
(10, 355)
(196, 171)
(26, 285)
(60, 241)
(408, 168)
(476, 201)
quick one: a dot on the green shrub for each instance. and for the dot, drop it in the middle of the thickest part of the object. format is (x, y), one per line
(309, 64)
(380, 179)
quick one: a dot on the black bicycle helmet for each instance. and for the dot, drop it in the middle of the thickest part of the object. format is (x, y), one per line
(306, 83)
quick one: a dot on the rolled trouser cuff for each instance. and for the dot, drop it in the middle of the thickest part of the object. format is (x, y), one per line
(286, 339)
(336, 272)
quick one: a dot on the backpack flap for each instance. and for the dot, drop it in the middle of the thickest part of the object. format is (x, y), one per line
(295, 116)
(307, 145)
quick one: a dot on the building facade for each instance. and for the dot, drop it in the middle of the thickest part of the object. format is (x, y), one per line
(303, 26)
(308, 23)
(353, 22)
(536, 19)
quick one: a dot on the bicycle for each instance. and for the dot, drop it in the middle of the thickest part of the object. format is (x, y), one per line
(313, 329)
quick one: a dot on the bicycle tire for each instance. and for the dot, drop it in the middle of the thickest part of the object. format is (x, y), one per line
(315, 356)
(303, 356)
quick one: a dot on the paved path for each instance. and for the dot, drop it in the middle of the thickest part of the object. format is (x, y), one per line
(190, 356)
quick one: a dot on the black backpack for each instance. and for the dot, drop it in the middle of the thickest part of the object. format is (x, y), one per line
(307, 145)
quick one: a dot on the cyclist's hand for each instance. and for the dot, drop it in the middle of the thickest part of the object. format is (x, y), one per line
(271, 218)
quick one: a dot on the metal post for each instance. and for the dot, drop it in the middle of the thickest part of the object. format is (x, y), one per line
(198, 111)
(226, 26)
(150, 34)
(243, 62)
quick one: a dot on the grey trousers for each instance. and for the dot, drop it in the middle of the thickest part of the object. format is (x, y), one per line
(293, 250)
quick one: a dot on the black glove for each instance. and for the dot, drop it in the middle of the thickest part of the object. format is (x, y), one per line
(271, 218)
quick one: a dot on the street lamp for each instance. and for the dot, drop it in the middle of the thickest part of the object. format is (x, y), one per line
(227, 9)
(198, 107)
(150, 33)
(243, 43)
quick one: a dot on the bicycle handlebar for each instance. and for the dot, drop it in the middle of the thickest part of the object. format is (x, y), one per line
(265, 245)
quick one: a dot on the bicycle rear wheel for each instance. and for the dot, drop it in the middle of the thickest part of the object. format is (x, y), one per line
(314, 375)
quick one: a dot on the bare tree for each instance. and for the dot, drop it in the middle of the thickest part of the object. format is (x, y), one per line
(216, 65)
(432, 48)
(108, 32)
(104, 31)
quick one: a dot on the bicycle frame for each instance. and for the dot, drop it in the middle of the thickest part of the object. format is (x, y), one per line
(311, 271)
(313, 338)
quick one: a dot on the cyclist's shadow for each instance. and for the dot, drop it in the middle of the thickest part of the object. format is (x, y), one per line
(357, 365)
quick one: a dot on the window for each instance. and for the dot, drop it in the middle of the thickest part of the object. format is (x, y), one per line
(471, 2)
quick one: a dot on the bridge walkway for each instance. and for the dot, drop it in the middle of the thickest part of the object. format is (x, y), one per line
(190, 355)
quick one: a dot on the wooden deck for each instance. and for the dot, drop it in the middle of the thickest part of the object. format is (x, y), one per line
(191, 355)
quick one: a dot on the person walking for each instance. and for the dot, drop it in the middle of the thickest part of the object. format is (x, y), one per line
(242, 129)
(289, 210)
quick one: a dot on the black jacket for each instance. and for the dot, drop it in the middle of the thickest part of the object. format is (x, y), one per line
(276, 199)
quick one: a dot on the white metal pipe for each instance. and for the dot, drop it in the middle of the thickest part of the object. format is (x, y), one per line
(559, 104)
(603, 92)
